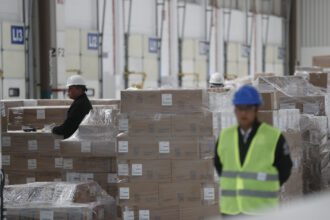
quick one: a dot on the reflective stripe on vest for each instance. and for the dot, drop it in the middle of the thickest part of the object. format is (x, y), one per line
(251, 193)
(253, 185)
(250, 175)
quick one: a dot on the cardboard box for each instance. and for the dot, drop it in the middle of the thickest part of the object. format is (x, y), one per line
(39, 143)
(152, 213)
(192, 170)
(53, 102)
(36, 117)
(63, 212)
(268, 117)
(164, 147)
(322, 61)
(200, 212)
(88, 148)
(146, 194)
(4, 106)
(269, 101)
(155, 101)
(115, 102)
(146, 124)
(319, 79)
(12, 162)
(314, 105)
(192, 124)
(20, 177)
(136, 171)
(188, 193)
(94, 164)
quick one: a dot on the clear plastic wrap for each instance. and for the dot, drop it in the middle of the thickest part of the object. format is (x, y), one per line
(314, 129)
(45, 200)
(53, 192)
(96, 135)
(325, 165)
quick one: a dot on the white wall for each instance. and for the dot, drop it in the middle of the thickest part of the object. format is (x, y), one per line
(313, 30)
(80, 14)
(11, 10)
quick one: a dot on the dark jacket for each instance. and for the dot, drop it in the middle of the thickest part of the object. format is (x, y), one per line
(76, 113)
(282, 162)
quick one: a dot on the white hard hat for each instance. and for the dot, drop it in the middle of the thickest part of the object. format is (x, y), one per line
(75, 80)
(216, 78)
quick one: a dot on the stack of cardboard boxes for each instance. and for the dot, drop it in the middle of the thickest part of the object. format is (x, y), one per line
(90, 153)
(165, 168)
(35, 155)
(30, 156)
(59, 200)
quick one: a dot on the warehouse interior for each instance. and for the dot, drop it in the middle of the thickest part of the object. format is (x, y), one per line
(160, 109)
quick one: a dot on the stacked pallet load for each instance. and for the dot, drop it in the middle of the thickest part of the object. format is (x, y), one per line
(307, 138)
(89, 154)
(30, 152)
(164, 156)
(34, 155)
(66, 201)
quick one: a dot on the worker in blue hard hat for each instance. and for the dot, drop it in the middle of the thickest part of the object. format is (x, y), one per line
(251, 158)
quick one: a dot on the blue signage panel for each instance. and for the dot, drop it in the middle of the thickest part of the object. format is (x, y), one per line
(17, 34)
(92, 41)
(153, 45)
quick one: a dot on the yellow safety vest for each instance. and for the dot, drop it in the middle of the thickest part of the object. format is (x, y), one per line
(255, 185)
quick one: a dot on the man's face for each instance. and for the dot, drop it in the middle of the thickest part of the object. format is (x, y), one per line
(246, 115)
(74, 92)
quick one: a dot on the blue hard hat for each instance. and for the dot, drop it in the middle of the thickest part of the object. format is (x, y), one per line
(247, 95)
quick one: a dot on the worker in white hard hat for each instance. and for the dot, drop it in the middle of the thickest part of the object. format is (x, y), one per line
(216, 80)
(79, 108)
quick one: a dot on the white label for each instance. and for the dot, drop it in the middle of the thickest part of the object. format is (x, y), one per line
(311, 108)
(123, 124)
(41, 114)
(6, 141)
(166, 99)
(123, 169)
(32, 144)
(5, 160)
(123, 193)
(164, 147)
(73, 177)
(287, 106)
(85, 177)
(262, 176)
(112, 178)
(30, 102)
(57, 143)
(68, 164)
(128, 215)
(30, 179)
(86, 147)
(46, 215)
(209, 193)
(3, 109)
(144, 214)
(32, 164)
(122, 146)
(59, 162)
(136, 169)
